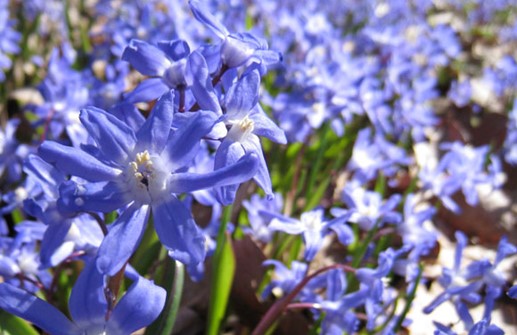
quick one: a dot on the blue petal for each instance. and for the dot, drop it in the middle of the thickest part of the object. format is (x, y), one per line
(113, 137)
(461, 243)
(87, 303)
(504, 249)
(139, 307)
(155, 131)
(243, 96)
(236, 52)
(184, 143)
(479, 328)
(20, 303)
(268, 57)
(262, 178)
(212, 55)
(122, 239)
(176, 49)
(148, 90)
(76, 162)
(287, 225)
(512, 292)
(344, 233)
(129, 114)
(227, 154)
(263, 126)
(463, 313)
(52, 240)
(236, 173)
(201, 83)
(313, 242)
(178, 231)
(336, 284)
(205, 17)
(8, 267)
(146, 58)
(47, 176)
(94, 197)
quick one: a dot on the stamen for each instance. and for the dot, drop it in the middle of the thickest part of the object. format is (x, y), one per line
(241, 129)
(142, 168)
(247, 125)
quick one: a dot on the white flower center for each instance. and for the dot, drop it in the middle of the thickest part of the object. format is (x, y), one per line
(311, 221)
(174, 76)
(371, 210)
(146, 177)
(241, 129)
(28, 263)
(21, 194)
(142, 168)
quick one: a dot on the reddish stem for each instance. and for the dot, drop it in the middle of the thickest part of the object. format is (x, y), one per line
(281, 305)
(46, 125)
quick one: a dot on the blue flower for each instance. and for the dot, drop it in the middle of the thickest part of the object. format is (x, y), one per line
(9, 39)
(314, 227)
(65, 91)
(141, 305)
(338, 305)
(19, 257)
(66, 233)
(413, 227)
(285, 279)
(165, 64)
(259, 210)
(464, 286)
(460, 93)
(462, 167)
(12, 152)
(139, 171)
(373, 154)
(482, 327)
(235, 49)
(503, 77)
(372, 280)
(247, 121)
(366, 208)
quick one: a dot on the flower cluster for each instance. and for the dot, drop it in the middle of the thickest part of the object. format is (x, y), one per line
(306, 161)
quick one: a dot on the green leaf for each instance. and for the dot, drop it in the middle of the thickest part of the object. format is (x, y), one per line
(148, 251)
(173, 279)
(223, 273)
(17, 216)
(13, 325)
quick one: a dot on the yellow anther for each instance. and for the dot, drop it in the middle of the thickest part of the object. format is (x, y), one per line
(246, 124)
(143, 157)
(134, 166)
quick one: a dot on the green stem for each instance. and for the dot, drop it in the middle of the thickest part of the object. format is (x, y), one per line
(174, 300)
(173, 279)
(409, 300)
(223, 273)
(316, 166)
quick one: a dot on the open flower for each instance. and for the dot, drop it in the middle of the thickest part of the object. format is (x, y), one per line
(246, 122)
(137, 171)
(140, 306)
(235, 49)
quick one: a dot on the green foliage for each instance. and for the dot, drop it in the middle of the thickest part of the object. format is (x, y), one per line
(12, 325)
